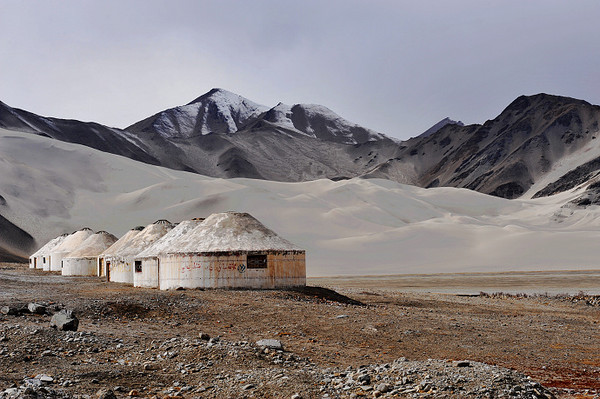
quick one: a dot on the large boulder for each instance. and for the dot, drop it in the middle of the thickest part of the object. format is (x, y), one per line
(65, 320)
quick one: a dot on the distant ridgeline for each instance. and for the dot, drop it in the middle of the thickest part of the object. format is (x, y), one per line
(222, 134)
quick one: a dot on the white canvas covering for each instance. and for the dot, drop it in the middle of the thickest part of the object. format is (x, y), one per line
(107, 255)
(148, 275)
(218, 252)
(121, 261)
(231, 231)
(82, 261)
(40, 259)
(69, 244)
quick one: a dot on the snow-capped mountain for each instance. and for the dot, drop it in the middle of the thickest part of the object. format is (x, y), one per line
(222, 134)
(218, 111)
(222, 112)
(318, 122)
(537, 146)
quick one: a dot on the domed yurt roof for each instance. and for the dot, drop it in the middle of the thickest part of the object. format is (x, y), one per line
(50, 245)
(94, 245)
(231, 231)
(122, 242)
(172, 238)
(74, 240)
(145, 238)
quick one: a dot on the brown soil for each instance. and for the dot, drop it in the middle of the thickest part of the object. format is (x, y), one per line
(553, 339)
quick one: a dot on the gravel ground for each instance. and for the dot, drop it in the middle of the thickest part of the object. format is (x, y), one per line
(363, 343)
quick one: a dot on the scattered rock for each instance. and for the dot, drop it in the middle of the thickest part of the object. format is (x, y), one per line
(65, 320)
(10, 310)
(151, 366)
(461, 363)
(383, 388)
(45, 379)
(204, 336)
(270, 344)
(36, 308)
(364, 379)
(106, 393)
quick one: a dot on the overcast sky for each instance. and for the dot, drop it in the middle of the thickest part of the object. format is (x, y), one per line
(394, 66)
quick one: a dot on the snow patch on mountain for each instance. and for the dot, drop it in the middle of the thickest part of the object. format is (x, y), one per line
(321, 122)
(232, 108)
(281, 115)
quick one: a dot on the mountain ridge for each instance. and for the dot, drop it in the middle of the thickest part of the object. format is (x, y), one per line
(222, 134)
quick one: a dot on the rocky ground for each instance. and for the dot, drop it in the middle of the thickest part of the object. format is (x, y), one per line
(225, 343)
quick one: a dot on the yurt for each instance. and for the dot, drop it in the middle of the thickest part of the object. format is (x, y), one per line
(69, 244)
(146, 262)
(230, 250)
(41, 258)
(82, 261)
(121, 262)
(115, 248)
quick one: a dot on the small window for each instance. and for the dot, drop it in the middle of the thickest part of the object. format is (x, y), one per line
(138, 266)
(44, 259)
(257, 261)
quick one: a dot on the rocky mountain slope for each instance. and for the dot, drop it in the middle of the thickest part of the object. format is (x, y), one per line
(433, 129)
(539, 145)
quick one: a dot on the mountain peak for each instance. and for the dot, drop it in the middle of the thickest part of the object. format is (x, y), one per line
(433, 129)
(219, 94)
(541, 100)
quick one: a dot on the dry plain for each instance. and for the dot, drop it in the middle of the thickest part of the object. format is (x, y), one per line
(146, 342)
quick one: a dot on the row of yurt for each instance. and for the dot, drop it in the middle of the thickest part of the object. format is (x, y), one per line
(72, 254)
(41, 258)
(69, 244)
(49, 257)
(225, 250)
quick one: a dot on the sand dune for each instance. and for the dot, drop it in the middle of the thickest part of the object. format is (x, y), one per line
(352, 227)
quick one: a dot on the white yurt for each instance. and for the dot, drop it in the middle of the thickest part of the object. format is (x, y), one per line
(146, 262)
(120, 269)
(69, 244)
(230, 250)
(105, 257)
(41, 258)
(83, 260)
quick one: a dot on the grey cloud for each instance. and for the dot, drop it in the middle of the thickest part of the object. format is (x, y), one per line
(394, 66)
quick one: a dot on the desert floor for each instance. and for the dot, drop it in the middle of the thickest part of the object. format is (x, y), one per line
(132, 337)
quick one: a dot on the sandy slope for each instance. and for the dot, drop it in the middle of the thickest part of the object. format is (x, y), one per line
(353, 227)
